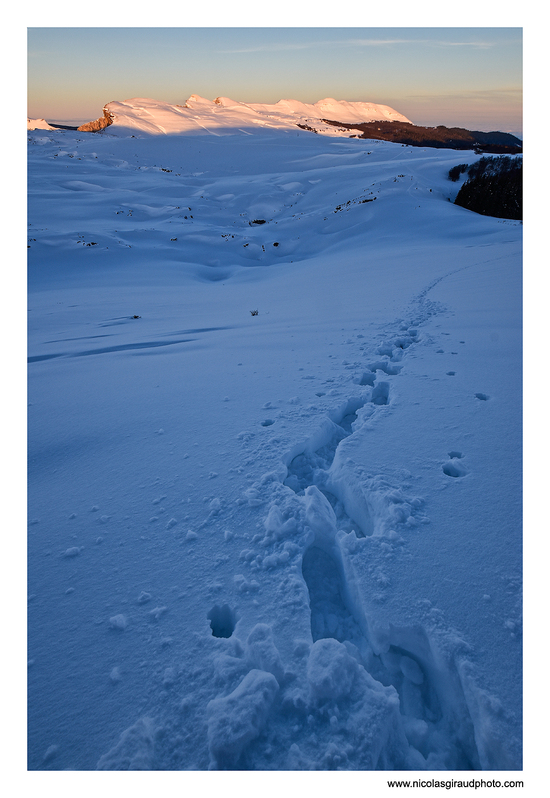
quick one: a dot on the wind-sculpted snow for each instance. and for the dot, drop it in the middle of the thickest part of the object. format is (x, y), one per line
(38, 124)
(274, 457)
(222, 115)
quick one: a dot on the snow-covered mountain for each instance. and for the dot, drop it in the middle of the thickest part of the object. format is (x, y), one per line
(275, 443)
(213, 116)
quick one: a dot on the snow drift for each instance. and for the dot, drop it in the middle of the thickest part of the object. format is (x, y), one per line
(38, 124)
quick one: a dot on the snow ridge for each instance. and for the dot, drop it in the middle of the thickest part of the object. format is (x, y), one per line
(214, 116)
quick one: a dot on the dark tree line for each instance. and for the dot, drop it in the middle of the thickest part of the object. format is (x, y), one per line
(493, 188)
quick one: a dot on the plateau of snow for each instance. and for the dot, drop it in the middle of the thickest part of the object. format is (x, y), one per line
(274, 451)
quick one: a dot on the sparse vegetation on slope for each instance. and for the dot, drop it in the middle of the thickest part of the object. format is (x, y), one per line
(456, 138)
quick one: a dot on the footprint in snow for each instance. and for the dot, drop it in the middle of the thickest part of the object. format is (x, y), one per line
(453, 467)
(429, 696)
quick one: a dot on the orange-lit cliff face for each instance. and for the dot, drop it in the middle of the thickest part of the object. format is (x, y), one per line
(98, 124)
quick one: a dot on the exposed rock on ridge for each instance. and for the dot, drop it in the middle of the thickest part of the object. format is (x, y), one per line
(98, 124)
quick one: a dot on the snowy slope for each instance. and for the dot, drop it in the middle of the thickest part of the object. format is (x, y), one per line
(38, 124)
(281, 541)
(219, 115)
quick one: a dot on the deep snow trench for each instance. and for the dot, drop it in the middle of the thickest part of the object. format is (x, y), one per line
(274, 469)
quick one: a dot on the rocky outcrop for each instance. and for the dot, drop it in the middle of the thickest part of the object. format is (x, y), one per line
(98, 124)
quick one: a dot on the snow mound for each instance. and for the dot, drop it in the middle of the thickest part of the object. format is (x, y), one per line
(331, 671)
(212, 116)
(237, 719)
(38, 124)
(135, 749)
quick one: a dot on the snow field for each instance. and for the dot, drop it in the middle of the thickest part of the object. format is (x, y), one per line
(262, 542)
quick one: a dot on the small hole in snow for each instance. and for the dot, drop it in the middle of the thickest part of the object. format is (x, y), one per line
(222, 620)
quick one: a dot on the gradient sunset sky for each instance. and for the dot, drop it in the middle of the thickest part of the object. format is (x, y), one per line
(468, 77)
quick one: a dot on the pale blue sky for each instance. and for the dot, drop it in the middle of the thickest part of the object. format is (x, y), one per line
(469, 77)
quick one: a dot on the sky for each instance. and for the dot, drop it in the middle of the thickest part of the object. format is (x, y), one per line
(466, 77)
